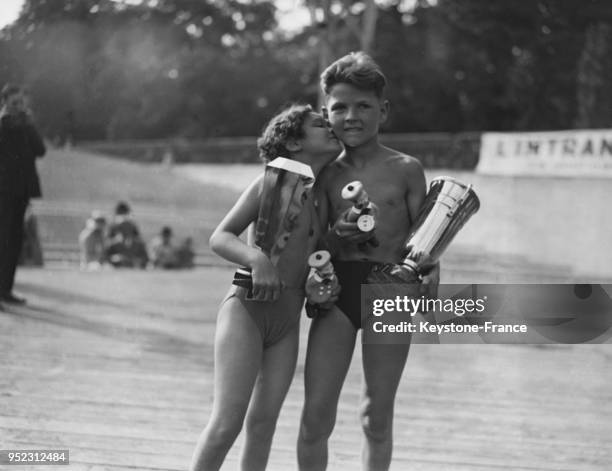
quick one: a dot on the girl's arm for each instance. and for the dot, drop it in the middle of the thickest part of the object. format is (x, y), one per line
(225, 241)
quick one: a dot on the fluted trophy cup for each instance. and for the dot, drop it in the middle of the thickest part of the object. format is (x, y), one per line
(286, 186)
(449, 204)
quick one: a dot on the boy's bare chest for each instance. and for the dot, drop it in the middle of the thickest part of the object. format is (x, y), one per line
(385, 190)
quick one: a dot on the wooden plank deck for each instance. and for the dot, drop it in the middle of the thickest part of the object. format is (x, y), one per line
(117, 367)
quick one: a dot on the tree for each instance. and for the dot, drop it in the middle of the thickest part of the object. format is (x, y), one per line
(203, 68)
(516, 62)
(594, 73)
(341, 22)
(121, 70)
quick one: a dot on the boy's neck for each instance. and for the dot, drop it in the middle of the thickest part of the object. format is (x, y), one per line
(360, 155)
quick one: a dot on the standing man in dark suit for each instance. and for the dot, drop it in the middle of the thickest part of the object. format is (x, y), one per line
(20, 145)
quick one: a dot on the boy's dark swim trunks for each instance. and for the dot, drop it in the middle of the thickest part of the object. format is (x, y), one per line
(351, 275)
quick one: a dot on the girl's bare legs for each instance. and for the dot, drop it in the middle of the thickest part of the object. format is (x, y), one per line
(238, 358)
(277, 370)
(331, 342)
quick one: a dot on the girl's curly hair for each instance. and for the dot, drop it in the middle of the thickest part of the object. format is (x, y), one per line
(288, 124)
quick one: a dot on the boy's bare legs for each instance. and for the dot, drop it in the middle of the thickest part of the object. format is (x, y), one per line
(277, 370)
(238, 354)
(382, 367)
(330, 348)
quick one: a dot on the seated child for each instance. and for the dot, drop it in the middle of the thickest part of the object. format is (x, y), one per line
(256, 340)
(92, 242)
(126, 247)
(163, 252)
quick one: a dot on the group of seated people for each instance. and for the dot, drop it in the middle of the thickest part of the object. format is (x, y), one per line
(121, 244)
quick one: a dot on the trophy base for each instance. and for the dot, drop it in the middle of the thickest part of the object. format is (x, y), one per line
(394, 273)
(244, 279)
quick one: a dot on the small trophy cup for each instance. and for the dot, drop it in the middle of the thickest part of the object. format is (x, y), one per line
(322, 280)
(286, 185)
(363, 211)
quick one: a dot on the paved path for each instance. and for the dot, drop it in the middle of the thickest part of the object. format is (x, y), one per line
(117, 367)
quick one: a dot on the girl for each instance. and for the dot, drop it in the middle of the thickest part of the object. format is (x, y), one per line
(256, 340)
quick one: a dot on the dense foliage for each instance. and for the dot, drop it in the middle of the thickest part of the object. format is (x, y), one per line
(102, 69)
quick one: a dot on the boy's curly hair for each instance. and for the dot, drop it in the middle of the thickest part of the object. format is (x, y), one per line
(288, 124)
(357, 69)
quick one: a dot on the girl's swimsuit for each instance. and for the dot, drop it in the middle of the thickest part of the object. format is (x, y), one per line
(275, 319)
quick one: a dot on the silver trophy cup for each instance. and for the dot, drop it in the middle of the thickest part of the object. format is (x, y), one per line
(449, 204)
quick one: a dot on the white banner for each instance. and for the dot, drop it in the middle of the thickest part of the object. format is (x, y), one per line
(556, 153)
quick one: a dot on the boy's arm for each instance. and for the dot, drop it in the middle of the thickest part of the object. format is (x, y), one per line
(322, 211)
(417, 188)
(339, 232)
(415, 197)
(225, 241)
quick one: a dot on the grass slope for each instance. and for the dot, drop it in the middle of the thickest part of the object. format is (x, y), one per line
(74, 183)
(553, 226)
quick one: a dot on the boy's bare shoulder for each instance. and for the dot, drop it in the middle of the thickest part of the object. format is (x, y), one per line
(404, 164)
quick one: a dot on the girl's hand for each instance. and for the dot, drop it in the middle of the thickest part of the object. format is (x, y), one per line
(266, 283)
(335, 294)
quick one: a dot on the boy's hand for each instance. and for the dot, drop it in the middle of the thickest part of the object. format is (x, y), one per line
(266, 283)
(431, 280)
(349, 231)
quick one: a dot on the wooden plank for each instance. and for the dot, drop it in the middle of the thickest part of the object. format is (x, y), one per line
(127, 384)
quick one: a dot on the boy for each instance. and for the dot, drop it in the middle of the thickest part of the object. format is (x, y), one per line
(354, 89)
